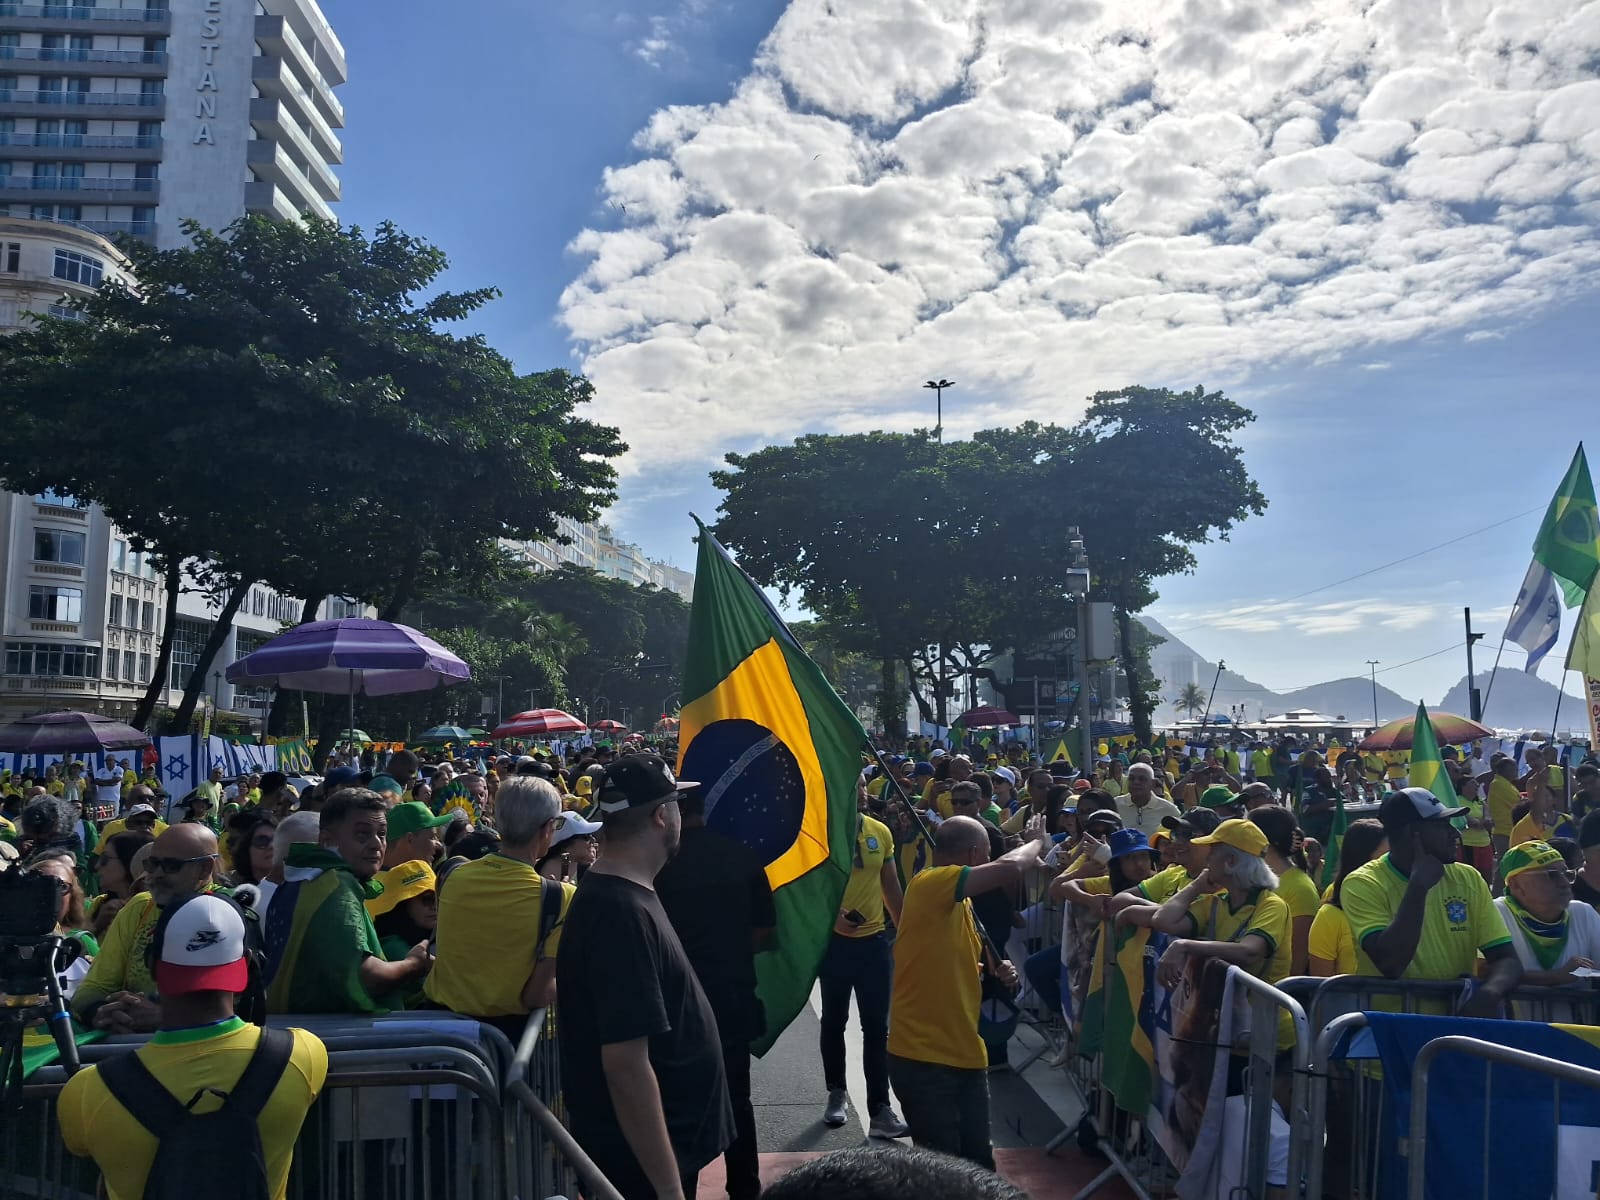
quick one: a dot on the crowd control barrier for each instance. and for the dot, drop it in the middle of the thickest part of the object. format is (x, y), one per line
(1341, 1141)
(1190, 1090)
(1556, 1071)
(417, 1106)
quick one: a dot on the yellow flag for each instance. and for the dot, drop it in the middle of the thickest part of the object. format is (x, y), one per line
(1584, 654)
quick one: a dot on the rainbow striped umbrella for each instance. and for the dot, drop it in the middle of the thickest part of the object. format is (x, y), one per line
(1449, 729)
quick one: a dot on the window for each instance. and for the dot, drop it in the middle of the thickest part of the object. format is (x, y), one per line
(52, 659)
(11, 257)
(47, 603)
(127, 667)
(144, 668)
(54, 499)
(58, 546)
(188, 639)
(119, 555)
(147, 616)
(114, 612)
(113, 663)
(79, 268)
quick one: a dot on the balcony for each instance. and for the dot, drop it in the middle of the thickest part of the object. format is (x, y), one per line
(44, 18)
(139, 229)
(271, 163)
(273, 122)
(87, 147)
(65, 189)
(138, 63)
(15, 102)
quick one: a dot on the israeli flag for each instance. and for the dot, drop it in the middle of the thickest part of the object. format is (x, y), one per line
(1536, 617)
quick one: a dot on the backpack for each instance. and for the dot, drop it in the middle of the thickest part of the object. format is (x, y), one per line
(197, 1152)
(550, 897)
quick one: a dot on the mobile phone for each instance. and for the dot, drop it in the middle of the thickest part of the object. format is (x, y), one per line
(855, 917)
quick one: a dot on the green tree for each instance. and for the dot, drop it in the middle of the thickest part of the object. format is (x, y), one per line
(1191, 699)
(382, 446)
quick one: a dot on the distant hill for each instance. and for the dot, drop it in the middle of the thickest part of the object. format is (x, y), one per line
(1352, 698)
(1517, 701)
(1520, 701)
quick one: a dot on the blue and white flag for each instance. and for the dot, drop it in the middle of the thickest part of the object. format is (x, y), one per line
(1535, 622)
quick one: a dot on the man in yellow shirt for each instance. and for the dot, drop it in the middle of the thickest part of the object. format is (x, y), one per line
(1504, 796)
(1415, 913)
(858, 960)
(937, 1060)
(203, 1056)
(499, 928)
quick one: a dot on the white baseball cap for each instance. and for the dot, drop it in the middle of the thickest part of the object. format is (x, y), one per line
(202, 948)
(571, 825)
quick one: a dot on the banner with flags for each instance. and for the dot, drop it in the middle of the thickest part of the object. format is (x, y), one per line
(777, 754)
(1539, 1137)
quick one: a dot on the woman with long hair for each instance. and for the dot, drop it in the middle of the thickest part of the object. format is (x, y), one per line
(119, 880)
(1331, 948)
(249, 840)
(1287, 859)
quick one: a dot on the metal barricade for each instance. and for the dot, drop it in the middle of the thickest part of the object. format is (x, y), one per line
(1338, 1142)
(1418, 1139)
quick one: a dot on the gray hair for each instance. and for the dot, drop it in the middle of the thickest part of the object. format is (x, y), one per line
(1245, 870)
(524, 806)
(296, 827)
(1141, 768)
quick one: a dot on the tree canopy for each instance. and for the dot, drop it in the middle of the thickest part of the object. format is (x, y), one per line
(940, 555)
(282, 403)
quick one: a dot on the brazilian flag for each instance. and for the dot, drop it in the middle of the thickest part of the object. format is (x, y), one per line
(777, 754)
(1568, 541)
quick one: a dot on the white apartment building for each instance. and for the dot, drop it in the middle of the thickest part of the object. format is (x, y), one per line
(599, 549)
(134, 117)
(120, 117)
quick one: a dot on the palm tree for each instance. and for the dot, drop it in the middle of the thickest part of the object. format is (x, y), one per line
(1192, 699)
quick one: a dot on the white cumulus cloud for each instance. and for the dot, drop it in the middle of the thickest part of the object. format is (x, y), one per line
(1040, 198)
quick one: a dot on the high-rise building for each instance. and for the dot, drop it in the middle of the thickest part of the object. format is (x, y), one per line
(135, 116)
(599, 549)
(129, 117)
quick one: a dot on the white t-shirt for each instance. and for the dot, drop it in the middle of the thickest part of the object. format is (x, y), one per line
(1583, 935)
(1147, 819)
(108, 788)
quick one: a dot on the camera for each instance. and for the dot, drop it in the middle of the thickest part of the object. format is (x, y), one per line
(32, 957)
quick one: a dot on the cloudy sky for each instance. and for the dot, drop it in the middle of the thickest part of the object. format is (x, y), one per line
(1373, 223)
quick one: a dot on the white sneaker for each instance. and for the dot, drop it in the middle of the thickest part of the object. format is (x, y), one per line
(838, 1110)
(885, 1124)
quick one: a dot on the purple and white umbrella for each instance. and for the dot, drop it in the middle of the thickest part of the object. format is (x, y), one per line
(353, 656)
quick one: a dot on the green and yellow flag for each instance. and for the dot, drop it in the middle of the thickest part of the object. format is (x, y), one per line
(1059, 753)
(1584, 653)
(776, 753)
(1427, 764)
(1568, 542)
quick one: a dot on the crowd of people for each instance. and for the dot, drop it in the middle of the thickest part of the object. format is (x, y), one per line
(592, 886)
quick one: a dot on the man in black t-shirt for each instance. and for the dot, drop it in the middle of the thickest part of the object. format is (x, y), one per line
(716, 893)
(1586, 887)
(641, 1060)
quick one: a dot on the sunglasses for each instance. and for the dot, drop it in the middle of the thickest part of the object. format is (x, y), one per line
(171, 866)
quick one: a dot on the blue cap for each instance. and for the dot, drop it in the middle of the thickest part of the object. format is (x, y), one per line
(922, 769)
(341, 777)
(1127, 841)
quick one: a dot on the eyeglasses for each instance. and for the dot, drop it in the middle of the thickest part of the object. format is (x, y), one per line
(171, 866)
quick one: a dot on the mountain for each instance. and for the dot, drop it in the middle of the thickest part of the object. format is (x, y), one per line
(1352, 697)
(1520, 701)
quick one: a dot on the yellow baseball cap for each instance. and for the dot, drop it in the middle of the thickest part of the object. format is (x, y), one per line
(1241, 835)
(402, 883)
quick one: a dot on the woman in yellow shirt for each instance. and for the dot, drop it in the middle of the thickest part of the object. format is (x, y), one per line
(1294, 885)
(1331, 948)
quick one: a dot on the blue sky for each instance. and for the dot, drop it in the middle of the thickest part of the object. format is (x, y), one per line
(1375, 227)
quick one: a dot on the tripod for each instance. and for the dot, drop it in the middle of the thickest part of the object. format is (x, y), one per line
(30, 988)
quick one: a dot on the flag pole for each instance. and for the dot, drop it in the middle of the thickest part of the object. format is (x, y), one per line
(1488, 691)
(891, 781)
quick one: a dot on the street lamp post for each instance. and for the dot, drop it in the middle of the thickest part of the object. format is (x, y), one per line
(1372, 665)
(1078, 586)
(938, 386)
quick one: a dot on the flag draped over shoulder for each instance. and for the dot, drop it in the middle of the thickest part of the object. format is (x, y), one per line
(776, 753)
(1541, 1138)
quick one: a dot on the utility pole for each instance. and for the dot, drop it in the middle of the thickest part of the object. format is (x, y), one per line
(1372, 664)
(1078, 585)
(1216, 679)
(938, 386)
(1474, 701)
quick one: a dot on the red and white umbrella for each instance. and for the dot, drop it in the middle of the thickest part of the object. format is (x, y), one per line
(609, 726)
(538, 722)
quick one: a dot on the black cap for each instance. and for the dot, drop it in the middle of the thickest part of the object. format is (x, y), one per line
(1196, 822)
(637, 781)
